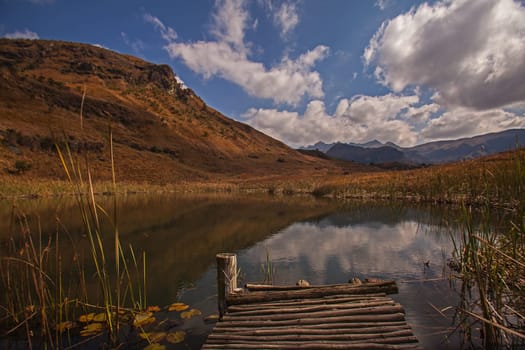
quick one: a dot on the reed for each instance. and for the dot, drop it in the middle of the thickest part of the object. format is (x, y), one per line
(490, 262)
(31, 268)
(268, 269)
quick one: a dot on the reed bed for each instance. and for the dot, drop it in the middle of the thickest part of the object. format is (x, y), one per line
(36, 308)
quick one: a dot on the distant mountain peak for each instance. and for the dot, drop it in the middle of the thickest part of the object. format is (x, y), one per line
(432, 152)
(371, 144)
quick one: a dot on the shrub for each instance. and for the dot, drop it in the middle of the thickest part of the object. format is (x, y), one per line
(22, 165)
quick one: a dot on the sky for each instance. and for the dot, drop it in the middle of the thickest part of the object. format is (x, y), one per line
(303, 71)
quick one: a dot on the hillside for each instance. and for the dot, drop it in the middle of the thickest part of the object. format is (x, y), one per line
(162, 131)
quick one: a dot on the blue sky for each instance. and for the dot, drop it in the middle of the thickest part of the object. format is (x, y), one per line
(303, 71)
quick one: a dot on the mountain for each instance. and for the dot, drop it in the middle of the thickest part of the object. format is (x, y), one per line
(468, 148)
(324, 147)
(374, 155)
(430, 153)
(319, 146)
(162, 131)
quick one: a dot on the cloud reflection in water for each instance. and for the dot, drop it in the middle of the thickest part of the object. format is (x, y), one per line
(330, 252)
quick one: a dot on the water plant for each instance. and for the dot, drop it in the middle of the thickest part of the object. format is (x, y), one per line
(268, 269)
(31, 270)
(490, 262)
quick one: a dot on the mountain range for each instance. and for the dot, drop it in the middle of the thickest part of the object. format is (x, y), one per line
(375, 152)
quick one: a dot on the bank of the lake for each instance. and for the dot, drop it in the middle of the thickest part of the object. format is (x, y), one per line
(495, 181)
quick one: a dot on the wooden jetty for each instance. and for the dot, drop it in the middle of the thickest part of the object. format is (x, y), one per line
(342, 316)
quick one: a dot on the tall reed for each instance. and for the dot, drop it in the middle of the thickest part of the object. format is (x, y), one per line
(31, 270)
(91, 214)
(491, 262)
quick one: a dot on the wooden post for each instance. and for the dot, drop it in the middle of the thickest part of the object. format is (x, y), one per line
(226, 278)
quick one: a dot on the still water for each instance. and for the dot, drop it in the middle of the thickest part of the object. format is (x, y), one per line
(320, 240)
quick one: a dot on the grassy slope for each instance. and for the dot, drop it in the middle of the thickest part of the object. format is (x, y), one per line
(162, 132)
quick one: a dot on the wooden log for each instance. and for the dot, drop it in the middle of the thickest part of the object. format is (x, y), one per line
(350, 326)
(317, 321)
(311, 331)
(318, 345)
(393, 337)
(226, 278)
(305, 302)
(373, 310)
(316, 292)
(271, 287)
(309, 308)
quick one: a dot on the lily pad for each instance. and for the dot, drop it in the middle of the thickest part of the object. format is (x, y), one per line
(62, 326)
(155, 346)
(87, 317)
(101, 317)
(212, 318)
(189, 314)
(143, 318)
(153, 337)
(154, 308)
(178, 307)
(176, 337)
(92, 329)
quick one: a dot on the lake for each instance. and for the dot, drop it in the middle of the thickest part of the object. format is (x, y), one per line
(321, 240)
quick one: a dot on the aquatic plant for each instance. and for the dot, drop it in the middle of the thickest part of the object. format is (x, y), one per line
(31, 269)
(491, 263)
(268, 269)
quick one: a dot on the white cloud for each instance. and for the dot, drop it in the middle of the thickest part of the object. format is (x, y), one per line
(360, 119)
(22, 34)
(421, 115)
(181, 82)
(136, 45)
(382, 4)
(399, 119)
(470, 52)
(100, 46)
(228, 57)
(286, 18)
(167, 33)
(230, 22)
(465, 122)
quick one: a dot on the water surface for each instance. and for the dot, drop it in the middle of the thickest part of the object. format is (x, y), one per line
(322, 241)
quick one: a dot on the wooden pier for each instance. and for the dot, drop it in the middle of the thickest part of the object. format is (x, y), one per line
(342, 316)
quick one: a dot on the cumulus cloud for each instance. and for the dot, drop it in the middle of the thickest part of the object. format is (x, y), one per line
(167, 33)
(22, 34)
(465, 122)
(286, 18)
(470, 52)
(360, 119)
(230, 22)
(404, 120)
(228, 57)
